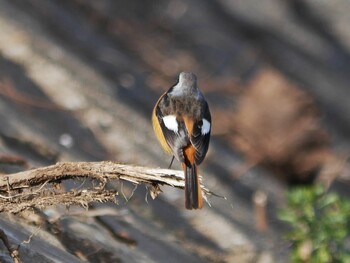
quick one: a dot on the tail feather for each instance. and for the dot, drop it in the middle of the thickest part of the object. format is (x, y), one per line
(193, 191)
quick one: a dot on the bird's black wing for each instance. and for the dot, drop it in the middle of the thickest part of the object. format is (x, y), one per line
(176, 140)
(199, 140)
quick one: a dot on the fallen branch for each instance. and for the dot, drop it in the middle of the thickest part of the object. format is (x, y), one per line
(24, 190)
(14, 253)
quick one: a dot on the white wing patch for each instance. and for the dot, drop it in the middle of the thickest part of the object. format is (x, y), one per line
(171, 123)
(205, 127)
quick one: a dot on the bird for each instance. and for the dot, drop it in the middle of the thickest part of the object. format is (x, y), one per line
(182, 123)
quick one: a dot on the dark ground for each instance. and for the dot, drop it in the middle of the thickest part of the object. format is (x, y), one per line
(78, 80)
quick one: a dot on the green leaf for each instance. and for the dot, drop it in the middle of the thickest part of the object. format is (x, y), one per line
(318, 220)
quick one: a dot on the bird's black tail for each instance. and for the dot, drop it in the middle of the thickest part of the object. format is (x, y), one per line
(193, 191)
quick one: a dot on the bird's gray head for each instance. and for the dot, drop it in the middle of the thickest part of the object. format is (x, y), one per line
(188, 79)
(187, 85)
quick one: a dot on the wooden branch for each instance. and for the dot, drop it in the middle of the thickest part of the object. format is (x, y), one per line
(14, 252)
(31, 188)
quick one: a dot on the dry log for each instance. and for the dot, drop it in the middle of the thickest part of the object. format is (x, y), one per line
(27, 189)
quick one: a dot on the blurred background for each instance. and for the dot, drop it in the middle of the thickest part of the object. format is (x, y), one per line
(79, 79)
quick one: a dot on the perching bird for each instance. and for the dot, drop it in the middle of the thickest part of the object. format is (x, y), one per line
(182, 122)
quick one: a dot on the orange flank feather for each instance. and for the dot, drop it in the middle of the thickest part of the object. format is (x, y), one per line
(189, 125)
(189, 153)
(158, 131)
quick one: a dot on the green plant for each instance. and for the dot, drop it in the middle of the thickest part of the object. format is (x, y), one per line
(320, 225)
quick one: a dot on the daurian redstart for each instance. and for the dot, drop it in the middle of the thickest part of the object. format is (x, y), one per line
(182, 122)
